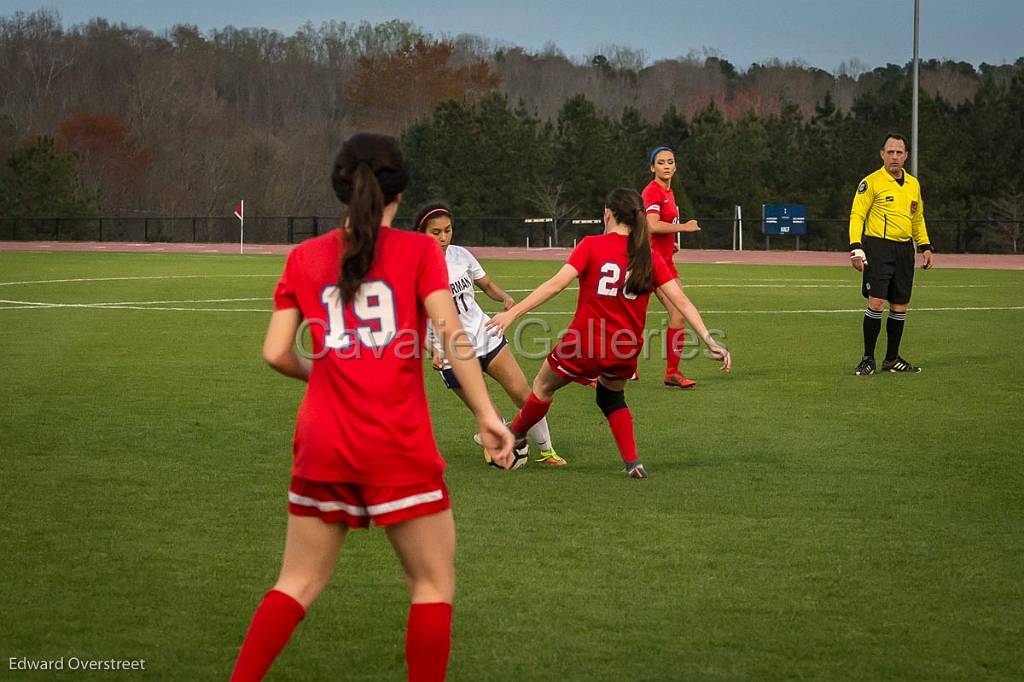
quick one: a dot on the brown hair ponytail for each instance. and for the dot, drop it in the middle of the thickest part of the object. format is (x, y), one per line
(628, 209)
(368, 175)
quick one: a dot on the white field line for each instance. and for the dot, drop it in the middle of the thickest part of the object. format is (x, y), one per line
(824, 311)
(31, 305)
(150, 305)
(860, 310)
(136, 305)
(115, 304)
(809, 286)
(777, 283)
(708, 279)
(156, 305)
(840, 286)
(127, 279)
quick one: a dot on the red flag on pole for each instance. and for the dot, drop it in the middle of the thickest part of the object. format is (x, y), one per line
(240, 214)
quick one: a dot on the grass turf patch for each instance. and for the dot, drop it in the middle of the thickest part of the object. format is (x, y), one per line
(799, 522)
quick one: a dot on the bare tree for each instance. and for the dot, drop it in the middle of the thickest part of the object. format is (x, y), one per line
(34, 59)
(1007, 221)
(550, 198)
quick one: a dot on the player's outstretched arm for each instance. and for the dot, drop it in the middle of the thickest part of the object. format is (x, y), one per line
(682, 303)
(494, 292)
(279, 345)
(545, 292)
(657, 226)
(461, 354)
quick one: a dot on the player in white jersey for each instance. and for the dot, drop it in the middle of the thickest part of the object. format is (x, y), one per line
(496, 359)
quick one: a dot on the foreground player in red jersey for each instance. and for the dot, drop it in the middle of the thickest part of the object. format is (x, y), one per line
(617, 272)
(363, 445)
(663, 224)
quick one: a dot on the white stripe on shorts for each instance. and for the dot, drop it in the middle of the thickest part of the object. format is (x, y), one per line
(326, 506)
(578, 376)
(405, 502)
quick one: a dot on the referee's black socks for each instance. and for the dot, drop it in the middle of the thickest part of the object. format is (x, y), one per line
(872, 326)
(893, 334)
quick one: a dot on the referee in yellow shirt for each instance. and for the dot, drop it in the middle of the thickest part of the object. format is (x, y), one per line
(886, 220)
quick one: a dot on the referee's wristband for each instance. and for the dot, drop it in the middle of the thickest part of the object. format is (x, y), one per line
(925, 247)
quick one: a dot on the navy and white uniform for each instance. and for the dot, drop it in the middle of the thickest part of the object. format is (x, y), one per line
(463, 271)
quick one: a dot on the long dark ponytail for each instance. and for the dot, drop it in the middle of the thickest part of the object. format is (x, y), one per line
(628, 209)
(368, 175)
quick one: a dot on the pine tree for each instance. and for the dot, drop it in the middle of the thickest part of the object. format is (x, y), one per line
(45, 182)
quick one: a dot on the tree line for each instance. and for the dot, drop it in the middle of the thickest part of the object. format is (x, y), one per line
(104, 118)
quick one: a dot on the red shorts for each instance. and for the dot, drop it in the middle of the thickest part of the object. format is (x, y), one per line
(667, 257)
(586, 371)
(354, 504)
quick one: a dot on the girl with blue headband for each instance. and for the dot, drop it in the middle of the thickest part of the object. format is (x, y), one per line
(663, 225)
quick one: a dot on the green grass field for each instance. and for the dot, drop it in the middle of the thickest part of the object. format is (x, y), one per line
(799, 522)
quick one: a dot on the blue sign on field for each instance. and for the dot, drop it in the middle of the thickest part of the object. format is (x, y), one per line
(779, 219)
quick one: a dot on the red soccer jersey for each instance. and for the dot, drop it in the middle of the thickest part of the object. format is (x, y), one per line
(609, 323)
(364, 418)
(661, 202)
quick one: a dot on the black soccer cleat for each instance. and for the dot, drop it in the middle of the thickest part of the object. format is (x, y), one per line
(899, 366)
(866, 366)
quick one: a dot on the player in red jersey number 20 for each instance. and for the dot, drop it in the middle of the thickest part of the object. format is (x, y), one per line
(617, 273)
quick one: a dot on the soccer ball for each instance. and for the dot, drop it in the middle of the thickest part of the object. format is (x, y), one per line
(520, 458)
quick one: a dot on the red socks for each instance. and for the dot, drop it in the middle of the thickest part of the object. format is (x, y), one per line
(272, 625)
(674, 347)
(533, 410)
(428, 640)
(621, 422)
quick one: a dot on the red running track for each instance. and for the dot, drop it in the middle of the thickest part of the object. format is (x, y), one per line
(942, 260)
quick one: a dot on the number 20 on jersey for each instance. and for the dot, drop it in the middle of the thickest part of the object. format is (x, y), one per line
(609, 284)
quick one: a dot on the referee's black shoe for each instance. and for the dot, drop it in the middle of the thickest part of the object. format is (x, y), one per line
(866, 366)
(899, 366)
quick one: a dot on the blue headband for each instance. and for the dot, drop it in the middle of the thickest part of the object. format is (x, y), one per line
(654, 152)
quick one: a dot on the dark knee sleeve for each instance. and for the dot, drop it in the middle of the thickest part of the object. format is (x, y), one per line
(608, 400)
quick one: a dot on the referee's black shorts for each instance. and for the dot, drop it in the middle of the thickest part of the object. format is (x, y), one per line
(889, 273)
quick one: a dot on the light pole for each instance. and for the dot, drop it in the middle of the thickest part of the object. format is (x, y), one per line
(913, 115)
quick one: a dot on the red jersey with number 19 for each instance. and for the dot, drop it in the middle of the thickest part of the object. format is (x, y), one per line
(606, 333)
(364, 418)
(662, 202)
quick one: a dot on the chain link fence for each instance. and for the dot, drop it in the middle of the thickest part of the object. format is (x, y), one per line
(261, 230)
(823, 234)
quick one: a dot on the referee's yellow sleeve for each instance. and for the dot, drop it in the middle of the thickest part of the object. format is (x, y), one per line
(917, 226)
(862, 201)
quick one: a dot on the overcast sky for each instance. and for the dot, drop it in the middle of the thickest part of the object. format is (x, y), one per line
(821, 33)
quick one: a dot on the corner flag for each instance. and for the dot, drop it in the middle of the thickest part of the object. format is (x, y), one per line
(240, 214)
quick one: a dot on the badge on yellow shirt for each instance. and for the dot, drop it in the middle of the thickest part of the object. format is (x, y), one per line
(913, 207)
